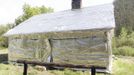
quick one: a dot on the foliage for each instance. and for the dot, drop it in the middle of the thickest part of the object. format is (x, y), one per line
(125, 51)
(124, 43)
(124, 15)
(29, 11)
(125, 38)
(3, 40)
(3, 29)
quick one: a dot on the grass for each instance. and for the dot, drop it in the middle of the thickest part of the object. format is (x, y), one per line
(3, 51)
(124, 51)
(9, 70)
(124, 66)
(121, 66)
(69, 72)
(17, 70)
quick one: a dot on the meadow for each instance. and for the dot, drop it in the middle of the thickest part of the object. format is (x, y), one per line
(121, 66)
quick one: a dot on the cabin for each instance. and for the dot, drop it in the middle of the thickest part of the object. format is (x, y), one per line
(75, 36)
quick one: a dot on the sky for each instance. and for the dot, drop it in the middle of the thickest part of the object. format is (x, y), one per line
(11, 9)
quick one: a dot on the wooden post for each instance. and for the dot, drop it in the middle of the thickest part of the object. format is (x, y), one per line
(109, 47)
(93, 70)
(25, 69)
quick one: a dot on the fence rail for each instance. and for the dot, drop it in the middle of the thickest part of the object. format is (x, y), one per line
(25, 62)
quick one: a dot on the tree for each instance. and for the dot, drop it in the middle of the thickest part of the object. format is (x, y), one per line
(124, 15)
(29, 11)
(3, 40)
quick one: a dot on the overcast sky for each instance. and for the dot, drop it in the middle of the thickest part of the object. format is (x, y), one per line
(11, 9)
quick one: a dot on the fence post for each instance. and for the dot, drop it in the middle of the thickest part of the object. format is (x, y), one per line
(93, 70)
(25, 69)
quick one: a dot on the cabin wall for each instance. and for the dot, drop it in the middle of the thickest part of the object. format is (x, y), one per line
(27, 48)
(88, 48)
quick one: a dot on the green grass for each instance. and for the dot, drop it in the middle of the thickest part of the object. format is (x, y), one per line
(2, 48)
(124, 51)
(121, 66)
(3, 51)
(9, 70)
(124, 66)
(18, 70)
(69, 72)
(123, 44)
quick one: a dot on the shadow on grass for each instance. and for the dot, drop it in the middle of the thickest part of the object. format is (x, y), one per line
(3, 58)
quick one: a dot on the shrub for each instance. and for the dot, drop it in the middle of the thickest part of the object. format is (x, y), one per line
(123, 44)
(3, 40)
(124, 39)
(125, 51)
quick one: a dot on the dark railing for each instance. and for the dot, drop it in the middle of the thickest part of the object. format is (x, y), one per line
(25, 62)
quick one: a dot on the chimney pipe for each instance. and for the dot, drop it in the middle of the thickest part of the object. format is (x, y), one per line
(76, 4)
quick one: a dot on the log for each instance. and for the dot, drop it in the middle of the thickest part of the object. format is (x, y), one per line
(59, 65)
(25, 62)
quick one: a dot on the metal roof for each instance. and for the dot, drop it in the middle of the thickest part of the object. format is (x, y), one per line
(94, 17)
